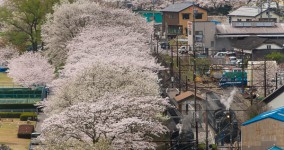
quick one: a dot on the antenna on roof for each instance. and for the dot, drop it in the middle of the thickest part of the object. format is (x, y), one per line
(268, 9)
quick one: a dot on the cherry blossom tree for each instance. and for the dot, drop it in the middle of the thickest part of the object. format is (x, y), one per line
(128, 122)
(108, 87)
(30, 69)
(69, 19)
(6, 54)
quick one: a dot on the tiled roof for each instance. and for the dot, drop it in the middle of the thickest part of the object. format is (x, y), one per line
(248, 43)
(252, 42)
(186, 94)
(177, 7)
(276, 114)
(228, 29)
(247, 11)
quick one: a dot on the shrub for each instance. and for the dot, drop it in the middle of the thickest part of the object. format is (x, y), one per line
(28, 115)
(10, 114)
(25, 131)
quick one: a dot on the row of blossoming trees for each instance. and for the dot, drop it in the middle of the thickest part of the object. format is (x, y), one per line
(105, 95)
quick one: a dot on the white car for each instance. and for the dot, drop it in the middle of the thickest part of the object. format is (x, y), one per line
(183, 50)
(220, 55)
(233, 60)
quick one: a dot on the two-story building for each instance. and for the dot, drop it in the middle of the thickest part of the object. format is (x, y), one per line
(176, 17)
(246, 13)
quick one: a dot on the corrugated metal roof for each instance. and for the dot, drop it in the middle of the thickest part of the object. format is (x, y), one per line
(247, 11)
(177, 7)
(228, 29)
(277, 114)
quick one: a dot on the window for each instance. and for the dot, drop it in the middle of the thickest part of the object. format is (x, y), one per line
(172, 16)
(198, 32)
(248, 20)
(268, 46)
(185, 16)
(212, 43)
(239, 19)
(198, 15)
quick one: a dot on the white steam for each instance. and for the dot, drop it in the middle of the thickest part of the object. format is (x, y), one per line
(228, 100)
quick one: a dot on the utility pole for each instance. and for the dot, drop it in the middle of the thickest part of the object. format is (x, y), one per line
(243, 70)
(206, 122)
(179, 74)
(251, 100)
(194, 74)
(172, 67)
(264, 78)
(186, 86)
(276, 80)
(177, 50)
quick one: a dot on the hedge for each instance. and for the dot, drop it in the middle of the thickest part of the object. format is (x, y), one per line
(28, 115)
(10, 114)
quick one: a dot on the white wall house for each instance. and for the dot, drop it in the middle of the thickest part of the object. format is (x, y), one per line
(275, 99)
(252, 14)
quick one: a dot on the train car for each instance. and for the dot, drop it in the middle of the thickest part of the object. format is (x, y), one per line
(233, 79)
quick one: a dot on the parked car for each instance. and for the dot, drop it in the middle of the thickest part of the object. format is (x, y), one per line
(233, 60)
(220, 55)
(165, 45)
(183, 50)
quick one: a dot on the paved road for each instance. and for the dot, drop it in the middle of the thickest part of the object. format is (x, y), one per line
(41, 117)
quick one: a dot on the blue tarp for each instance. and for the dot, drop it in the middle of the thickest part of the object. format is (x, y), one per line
(277, 114)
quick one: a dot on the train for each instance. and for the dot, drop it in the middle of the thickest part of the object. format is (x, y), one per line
(222, 121)
(233, 79)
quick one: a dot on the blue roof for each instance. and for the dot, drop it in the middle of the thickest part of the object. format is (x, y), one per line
(274, 148)
(277, 114)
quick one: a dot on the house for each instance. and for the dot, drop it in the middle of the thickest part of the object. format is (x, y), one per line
(254, 37)
(256, 47)
(185, 101)
(246, 13)
(204, 33)
(275, 99)
(176, 17)
(264, 131)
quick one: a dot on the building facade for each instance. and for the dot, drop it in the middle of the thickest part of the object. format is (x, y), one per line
(176, 17)
(264, 131)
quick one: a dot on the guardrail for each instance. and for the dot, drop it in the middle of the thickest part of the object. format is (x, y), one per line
(17, 110)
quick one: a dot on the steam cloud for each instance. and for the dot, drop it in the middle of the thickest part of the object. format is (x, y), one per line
(228, 100)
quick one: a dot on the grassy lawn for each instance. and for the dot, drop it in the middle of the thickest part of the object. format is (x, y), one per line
(8, 134)
(5, 81)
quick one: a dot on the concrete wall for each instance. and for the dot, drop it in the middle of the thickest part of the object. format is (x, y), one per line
(262, 135)
(273, 46)
(209, 30)
(277, 102)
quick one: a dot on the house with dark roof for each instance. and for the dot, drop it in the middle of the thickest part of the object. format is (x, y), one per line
(176, 17)
(264, 131)
(246, 13)
(255, 38)
(275, 99)
(257, 48)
